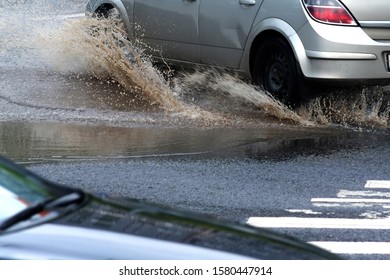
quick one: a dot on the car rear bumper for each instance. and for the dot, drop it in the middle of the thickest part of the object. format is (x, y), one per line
(340, 53)
(336, 68)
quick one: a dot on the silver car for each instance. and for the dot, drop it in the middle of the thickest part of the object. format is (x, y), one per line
(280, 44)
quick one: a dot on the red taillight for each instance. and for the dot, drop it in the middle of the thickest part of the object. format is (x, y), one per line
(329, 11)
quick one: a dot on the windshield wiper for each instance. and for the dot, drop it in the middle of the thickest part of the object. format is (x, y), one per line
(46, 205)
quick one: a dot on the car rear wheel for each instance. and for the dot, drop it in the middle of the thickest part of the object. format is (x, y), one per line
(275, 69)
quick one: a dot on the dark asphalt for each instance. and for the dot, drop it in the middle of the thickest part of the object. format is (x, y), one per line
(239, 181)
(247, 180)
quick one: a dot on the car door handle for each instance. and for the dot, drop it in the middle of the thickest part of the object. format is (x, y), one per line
(247, 2)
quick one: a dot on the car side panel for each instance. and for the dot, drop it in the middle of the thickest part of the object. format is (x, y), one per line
(224, 26)
(169, 27)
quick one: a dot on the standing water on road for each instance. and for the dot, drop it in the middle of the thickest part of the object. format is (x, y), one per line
(66, 68)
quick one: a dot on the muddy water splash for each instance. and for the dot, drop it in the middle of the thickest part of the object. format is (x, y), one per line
(223, 83)
(39, 36)
(365, 108)
(100, 48)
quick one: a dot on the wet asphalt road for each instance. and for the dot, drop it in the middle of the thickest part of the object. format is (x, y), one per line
(269, 177)
(227, 157)
(239, 180)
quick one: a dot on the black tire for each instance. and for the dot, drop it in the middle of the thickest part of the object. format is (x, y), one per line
(275, 69)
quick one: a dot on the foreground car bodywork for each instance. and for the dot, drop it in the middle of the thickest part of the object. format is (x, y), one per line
(279, 43)
(65, 223)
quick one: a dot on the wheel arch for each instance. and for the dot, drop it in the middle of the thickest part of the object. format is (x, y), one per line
(268, 28)
(279, 29)
(101, 8)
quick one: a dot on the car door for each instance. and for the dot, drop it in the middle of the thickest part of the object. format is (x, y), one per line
(169, 27)
(223, 29)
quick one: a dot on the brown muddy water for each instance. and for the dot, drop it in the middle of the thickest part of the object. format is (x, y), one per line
(53, 142)
(74, 88)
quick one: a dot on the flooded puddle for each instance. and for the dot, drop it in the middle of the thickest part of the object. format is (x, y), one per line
(58, 142)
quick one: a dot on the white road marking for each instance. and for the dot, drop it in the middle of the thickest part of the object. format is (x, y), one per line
(305, 211)
(351, 200)
(359, 198)
(344, 197)
(329, 223)
(346, 193)
(376, 184)
(354, 247)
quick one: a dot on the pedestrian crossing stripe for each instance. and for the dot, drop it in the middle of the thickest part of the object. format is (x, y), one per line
(376, 184)
(327, 223)
(370, 201)
(376, 194)
(360, 248)
(351, 198)
(336, 247)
